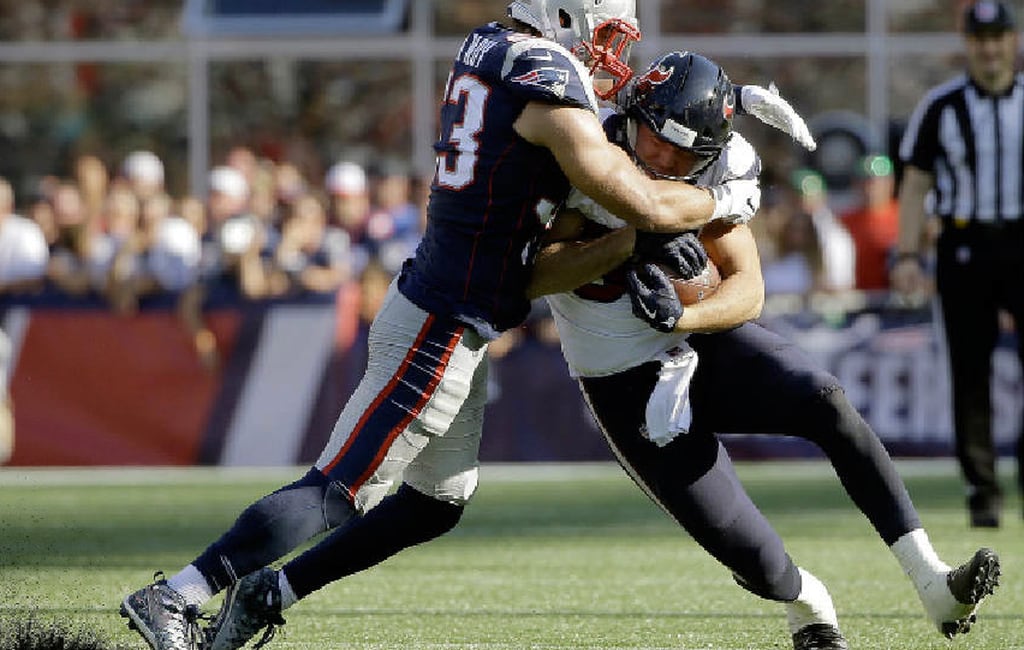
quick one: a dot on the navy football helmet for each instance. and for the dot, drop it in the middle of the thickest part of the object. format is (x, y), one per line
(685, 99)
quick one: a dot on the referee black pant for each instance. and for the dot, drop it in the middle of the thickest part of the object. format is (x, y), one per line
(979, 270)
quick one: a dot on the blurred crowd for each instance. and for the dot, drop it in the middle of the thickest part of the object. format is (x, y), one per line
(263, 231)
(812, 244)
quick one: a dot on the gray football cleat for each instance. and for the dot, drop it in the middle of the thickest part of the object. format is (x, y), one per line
(161, 616)
(969, 583)
(250, 605)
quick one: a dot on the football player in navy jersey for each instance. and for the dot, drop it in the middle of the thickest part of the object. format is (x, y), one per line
(518, 126)
(660, 393)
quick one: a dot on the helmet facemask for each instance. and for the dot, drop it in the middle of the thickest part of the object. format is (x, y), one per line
(608, 52)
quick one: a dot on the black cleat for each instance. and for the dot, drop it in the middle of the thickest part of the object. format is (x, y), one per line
(250, 605)
(969, 584)
(819, 636)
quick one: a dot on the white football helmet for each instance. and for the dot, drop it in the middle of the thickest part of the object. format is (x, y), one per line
(598, 32)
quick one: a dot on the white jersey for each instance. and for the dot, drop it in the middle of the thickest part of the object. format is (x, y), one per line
(598, 331)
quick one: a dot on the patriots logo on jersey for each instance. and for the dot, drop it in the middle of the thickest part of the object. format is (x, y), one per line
(553, 79)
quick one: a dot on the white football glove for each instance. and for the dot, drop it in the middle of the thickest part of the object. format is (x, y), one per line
(736, 201)
(768, 106)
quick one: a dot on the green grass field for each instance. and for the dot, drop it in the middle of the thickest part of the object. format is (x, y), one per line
(546, 557)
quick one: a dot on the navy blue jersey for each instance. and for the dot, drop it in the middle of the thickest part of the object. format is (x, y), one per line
(493, 192)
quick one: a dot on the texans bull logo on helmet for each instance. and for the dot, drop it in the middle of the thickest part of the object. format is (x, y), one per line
(653, 77)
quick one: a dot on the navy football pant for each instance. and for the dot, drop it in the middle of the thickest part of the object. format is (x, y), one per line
(693, 480)
(751, 380)
(748, 380)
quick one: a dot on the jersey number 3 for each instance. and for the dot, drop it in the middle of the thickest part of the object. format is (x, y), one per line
(463, 132)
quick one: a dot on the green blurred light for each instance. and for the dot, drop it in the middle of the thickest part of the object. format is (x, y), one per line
(876, 166)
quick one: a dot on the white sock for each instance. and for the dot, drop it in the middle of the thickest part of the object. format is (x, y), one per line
(191, 585)
(288, 597)
(813, 605)
(919, 560)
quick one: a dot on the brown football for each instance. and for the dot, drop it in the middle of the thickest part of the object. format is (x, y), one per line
(697, 288)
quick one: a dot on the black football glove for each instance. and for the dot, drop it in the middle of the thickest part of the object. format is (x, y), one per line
(653, 297)
(681, 252)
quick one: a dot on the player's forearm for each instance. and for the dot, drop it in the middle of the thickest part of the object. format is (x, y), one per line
(913, 190)
(565, 265)
(647, 204)
(606, 173)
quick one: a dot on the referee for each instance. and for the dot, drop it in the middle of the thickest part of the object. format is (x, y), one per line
(963, 152)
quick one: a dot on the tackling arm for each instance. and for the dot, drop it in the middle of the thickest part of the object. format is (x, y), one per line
(605, 173)
(566, 261)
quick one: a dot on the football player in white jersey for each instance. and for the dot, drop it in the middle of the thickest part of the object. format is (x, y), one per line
(660, 391)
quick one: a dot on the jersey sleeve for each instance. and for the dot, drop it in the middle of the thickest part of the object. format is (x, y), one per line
(540, 70)
(920, 140)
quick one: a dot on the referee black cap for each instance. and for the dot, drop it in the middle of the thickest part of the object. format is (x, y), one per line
(988, 16)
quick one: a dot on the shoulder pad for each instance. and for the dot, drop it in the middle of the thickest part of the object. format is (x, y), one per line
(542, 70)
(738, 160)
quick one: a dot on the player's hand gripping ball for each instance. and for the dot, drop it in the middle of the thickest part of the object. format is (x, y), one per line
(683, 259)
(699, 287)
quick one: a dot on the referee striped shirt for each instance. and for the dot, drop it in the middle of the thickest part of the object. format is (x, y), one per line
(973, 145)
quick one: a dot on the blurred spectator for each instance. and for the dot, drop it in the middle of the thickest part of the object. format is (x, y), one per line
(161, 256)
(173, 251)
(874, 225)
(236, 235)
(263, 196)
(796, 267)
(192, 210)
(181, 264)
(302, 260)
(114, 265)
(289, 185)
(93, 181)
(245, 160)
(23, 251)
(347, 187)
(72, 264)
(41, 213)
(373, 286)
(394, 223)
(837, 252)
(144, 172)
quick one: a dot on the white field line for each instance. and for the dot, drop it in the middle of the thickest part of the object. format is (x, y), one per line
(494, 473)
